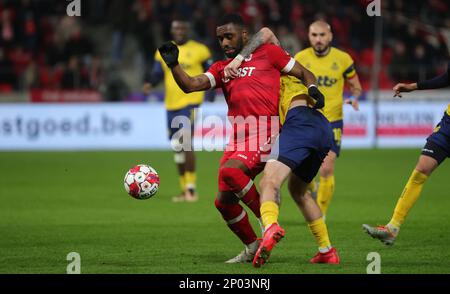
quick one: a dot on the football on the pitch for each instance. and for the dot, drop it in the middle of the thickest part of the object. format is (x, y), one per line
(141, 181)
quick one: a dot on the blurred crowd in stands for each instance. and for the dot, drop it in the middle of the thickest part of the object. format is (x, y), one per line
(42, 47)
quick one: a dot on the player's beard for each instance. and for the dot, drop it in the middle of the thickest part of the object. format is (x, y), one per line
(322, 52)
(237, 49)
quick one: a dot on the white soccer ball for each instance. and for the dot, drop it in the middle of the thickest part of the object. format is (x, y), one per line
(141, 181)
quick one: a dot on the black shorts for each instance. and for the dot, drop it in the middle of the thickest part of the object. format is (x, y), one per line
(179, 118)
(433, 150)
(304, 142)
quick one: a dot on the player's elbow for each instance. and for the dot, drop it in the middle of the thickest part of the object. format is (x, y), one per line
(267, 34)
(187, 89)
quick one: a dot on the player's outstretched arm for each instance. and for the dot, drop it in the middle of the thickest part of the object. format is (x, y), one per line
(434, 83)
(169, 53)
(263, 36)
(309, 79)
(402, 87)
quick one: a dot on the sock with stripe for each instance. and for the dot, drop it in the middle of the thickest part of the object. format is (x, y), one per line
(237, 220)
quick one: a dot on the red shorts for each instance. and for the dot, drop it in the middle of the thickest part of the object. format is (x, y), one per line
(254, 160)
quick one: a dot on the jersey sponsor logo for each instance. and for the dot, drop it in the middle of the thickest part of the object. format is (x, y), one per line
(245, 71)
(325, 81)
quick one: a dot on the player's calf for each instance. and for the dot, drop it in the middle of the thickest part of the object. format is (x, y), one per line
(237, 220)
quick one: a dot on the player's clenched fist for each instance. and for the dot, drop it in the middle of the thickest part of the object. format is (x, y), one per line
(169, 52)
(314, 93)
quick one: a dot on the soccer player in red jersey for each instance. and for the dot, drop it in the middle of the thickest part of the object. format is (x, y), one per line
(253, 94)
(304, 142)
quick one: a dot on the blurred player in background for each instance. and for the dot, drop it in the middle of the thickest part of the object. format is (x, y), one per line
(332, 67)
(304, 142)
(195, 58)
(253, 94)
(435, 151)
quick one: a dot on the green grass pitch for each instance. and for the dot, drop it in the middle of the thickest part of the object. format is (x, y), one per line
(53, 203)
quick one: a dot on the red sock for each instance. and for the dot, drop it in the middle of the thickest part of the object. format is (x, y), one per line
(236, 181)
(251, 199)
(237, 221)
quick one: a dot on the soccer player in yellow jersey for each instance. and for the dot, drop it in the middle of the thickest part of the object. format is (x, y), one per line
(195, 58)
(333, 68)
(435, 151)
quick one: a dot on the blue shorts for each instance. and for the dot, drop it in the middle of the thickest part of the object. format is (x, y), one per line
(440, 140)
(337, 127)
(304, 142)
(186, 112)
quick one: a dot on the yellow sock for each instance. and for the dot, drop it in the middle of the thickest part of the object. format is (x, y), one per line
(190, 178)
(269, 213)
(325, 193)
(409, 196)
(182, 182)
(319, 230)
(312, 186)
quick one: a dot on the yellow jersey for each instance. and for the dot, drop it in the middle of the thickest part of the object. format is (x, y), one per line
(289, 88)
(331, 72)
(191, 58)
(448, 109)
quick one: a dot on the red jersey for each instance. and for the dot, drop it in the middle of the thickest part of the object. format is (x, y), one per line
(255, 92)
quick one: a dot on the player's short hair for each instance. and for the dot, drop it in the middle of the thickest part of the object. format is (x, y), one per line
(181, 18)
(233, 18)
(321, 23)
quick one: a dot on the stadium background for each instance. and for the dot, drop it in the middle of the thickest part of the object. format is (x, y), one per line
(73, 84)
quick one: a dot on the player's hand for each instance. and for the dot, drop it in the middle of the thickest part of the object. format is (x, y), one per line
(353, 102)
(169, 53)
(231, 70)
(147, 88)
(314, 92)
(401, 87)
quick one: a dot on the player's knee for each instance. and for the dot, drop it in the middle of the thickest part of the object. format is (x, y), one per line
(227, 178)
(179, 157)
